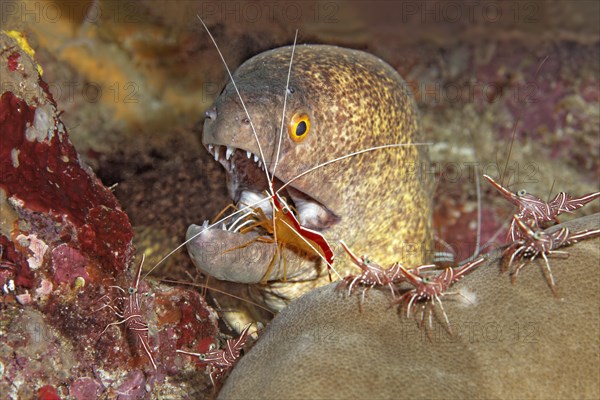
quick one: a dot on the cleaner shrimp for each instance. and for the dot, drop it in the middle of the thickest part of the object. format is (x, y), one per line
(534, 210)
(526, 238)
(220, 361)
(128, 310)
(532, 242)
(432, 289)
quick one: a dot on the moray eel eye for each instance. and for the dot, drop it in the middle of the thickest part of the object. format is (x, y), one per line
(298, 127)
(521, 192)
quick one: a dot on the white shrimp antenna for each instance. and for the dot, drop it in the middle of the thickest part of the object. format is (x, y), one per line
(262, 155)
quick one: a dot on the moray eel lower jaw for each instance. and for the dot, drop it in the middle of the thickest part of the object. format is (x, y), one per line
(225, 253)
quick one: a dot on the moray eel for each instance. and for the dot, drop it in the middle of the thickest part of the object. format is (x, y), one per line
(379, 203)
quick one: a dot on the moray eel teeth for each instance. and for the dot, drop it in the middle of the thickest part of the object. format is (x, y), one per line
(247, 184)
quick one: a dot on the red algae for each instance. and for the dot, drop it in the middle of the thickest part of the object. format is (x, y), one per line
(13, 61)
(68, 264)
(85, 388)
(38, 155)
(47, 393)
(15, 265)
(183, 320)
(104, 236)
(65, 243)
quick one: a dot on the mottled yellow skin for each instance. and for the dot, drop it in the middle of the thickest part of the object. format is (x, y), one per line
(355, 101)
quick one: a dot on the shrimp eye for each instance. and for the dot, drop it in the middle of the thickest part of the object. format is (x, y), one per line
(521, 192)
(298, 127)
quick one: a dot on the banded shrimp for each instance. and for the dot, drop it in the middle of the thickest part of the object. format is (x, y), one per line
(525, 237)
(529, 246)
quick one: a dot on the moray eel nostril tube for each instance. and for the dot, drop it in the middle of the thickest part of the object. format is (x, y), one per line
(339, 101)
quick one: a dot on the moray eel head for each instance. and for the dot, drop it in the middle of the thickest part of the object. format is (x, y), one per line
(338, 101)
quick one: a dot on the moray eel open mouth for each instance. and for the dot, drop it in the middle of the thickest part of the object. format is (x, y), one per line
(226, 254)
(247, 184)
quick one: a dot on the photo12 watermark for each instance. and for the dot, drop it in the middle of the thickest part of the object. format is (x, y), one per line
(470, 12)
(487, 332)
(466, 171)
(474, 92)
(269, 11)
(68, 92)
(55, 12)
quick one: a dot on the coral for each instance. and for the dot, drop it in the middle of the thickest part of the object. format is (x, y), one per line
(509, 343)
(65, 243)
